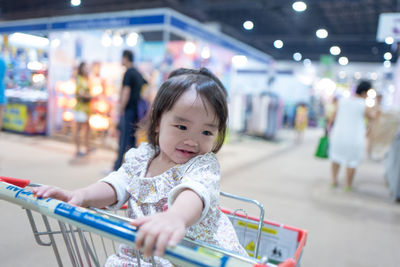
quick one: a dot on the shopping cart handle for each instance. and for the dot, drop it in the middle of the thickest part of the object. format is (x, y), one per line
(15, 181)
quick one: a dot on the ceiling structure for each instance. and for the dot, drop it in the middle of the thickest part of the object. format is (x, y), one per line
(351, 24)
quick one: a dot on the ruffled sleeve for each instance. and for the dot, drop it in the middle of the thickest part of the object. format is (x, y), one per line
(202, 175)
(135, 161)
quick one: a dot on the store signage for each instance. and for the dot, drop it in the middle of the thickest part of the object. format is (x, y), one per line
(15, 117)
(24, 28)
(388, 26)
(107, 23)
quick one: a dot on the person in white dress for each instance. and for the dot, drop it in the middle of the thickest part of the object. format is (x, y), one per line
(347, 138)
(171, 183)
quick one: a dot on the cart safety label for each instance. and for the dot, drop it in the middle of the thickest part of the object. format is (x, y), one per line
(96, 221)
(277, 243)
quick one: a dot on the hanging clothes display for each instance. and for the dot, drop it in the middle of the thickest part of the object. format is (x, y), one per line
(259, 115)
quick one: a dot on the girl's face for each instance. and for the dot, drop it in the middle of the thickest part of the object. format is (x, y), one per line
(189, 129)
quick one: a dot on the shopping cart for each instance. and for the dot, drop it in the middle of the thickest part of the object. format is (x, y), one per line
(88, 236)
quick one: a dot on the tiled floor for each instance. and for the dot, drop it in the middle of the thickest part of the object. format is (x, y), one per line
(347, 229)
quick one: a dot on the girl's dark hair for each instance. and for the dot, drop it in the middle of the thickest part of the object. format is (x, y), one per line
(80, 69)
(207, 85)
(363, 87)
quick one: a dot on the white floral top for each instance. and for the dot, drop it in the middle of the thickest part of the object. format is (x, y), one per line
(149, 195)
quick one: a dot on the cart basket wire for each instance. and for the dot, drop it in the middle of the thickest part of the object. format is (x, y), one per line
(280, 245)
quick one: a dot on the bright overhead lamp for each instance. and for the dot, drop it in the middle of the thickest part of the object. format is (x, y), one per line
(371, 93)
(374, 76)
(335, 50)
(387, 64)
(75, 2)
(132, 39)
(189, 48)
(389, 40)
(370, 102)
(299, 6)
(248, 25)
(205, 52)
(278, 44)
(343, 61)
(23, 39)
(297, 56)
(35, 65)
(387, 56)
(239, 61)
(117, 40)
(342, 74)
(307, 62)
(55, 43)
(106, 40)
(321, 33)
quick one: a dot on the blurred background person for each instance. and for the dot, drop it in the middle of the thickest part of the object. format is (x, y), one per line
(348, 134)
(132, 84)
(330, 110)
(373, 124)
(82, 109)
(301, 121)
(2, 89)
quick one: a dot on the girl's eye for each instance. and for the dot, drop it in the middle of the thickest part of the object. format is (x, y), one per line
(181, 127)
(208, 133)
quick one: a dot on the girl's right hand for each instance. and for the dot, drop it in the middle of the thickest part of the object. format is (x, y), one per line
(73, 198)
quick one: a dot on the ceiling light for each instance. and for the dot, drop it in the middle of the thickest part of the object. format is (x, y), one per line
(131, 39)
(342, 74)
(106, 40)
(335, 50)
(75, 2)
(248, 25)
(389, 40)
(387, 56)
(189, 48)
(23, 39)
(307, 62)
(55, 43)
(239, 60)
(357, 75)
(371, 93)
(35, 65)
(387, 64)
(278, 44)
(205, 52)
(321, 33)
(326, 85)
(370, 102)
(299, 6)
(117, 40)
(343, 61)
(297, 56)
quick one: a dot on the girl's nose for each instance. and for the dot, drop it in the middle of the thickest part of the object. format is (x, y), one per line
(190, 142)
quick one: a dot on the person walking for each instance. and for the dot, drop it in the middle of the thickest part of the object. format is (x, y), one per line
(128, 105)
(347, 139)
(82, 109)
(2, 89)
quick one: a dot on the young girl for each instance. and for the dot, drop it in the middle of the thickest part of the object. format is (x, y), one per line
(177, 169)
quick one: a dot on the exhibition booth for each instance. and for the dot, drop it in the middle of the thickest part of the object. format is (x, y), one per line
(42, 71)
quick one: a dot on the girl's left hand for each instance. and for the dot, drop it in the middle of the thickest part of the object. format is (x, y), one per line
(158, 231)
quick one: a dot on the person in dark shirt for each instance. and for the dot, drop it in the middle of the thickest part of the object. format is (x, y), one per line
(128, 106)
